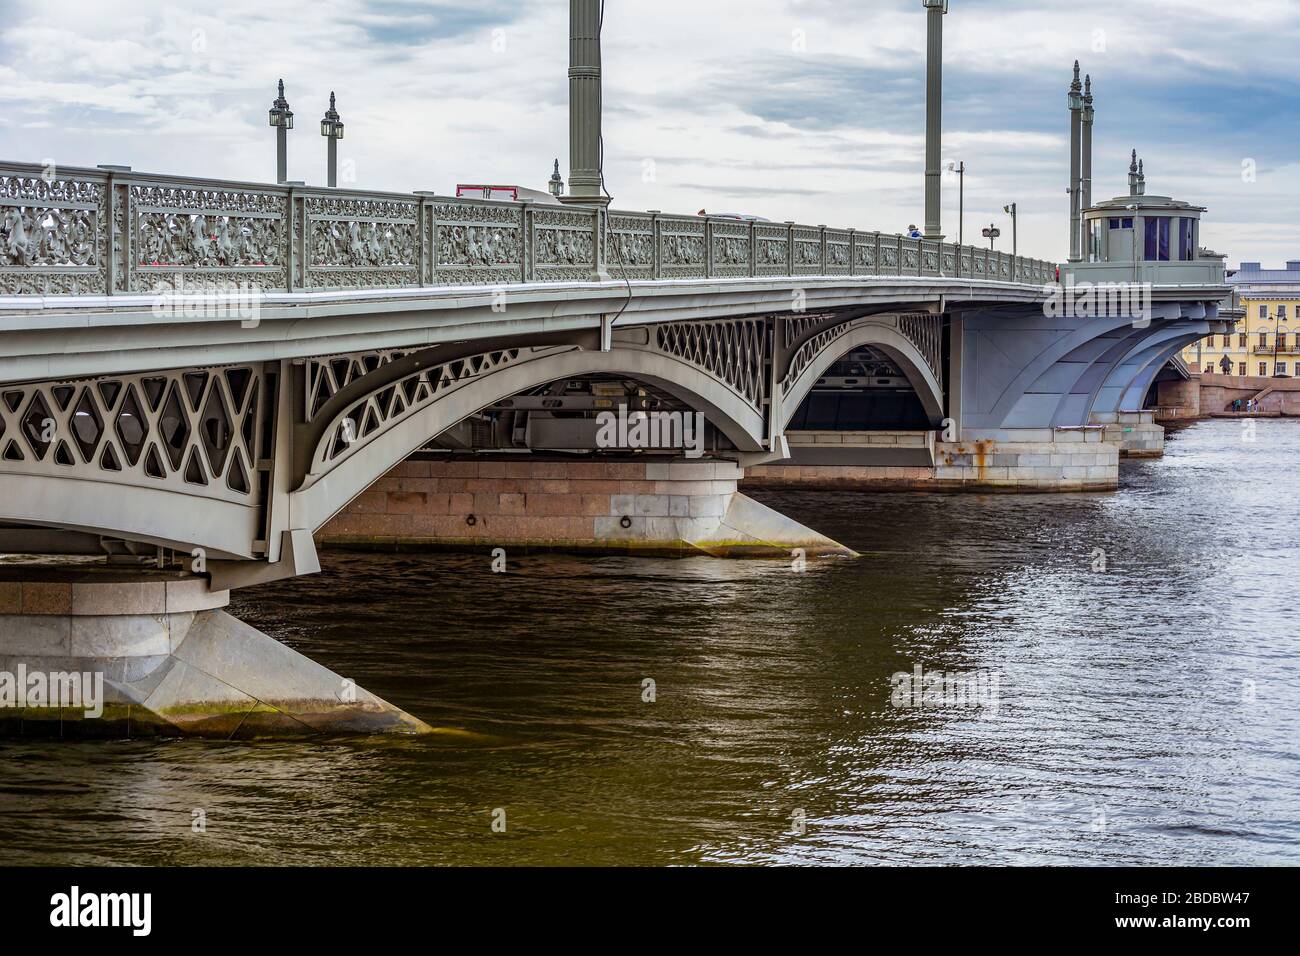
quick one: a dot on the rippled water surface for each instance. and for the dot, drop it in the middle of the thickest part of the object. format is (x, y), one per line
(1147, 713)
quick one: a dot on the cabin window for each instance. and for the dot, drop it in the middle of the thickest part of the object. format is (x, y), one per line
(1157, 239)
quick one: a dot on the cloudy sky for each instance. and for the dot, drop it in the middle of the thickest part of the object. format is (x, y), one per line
(806, 110)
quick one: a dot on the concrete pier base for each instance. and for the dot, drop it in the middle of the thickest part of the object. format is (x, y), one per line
(1030, 459)
(1011, 460)
(1136, 434)
(649, 507)
(169, 661)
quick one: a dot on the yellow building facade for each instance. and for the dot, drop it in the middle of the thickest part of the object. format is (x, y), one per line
(1267, 340)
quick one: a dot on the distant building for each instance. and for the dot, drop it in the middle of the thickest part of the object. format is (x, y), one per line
(1267, 339)
(498, 193)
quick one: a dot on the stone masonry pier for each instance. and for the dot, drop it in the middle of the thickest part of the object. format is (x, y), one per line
(152, 653)
(1026, 460)
(649, 507)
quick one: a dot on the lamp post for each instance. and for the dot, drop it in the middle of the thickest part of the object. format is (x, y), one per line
(1277, 325)
(990, 233)
(282, 119)
(934, 11)
(1015, 239)
(556, 184)
(960, 170)
(332, 129)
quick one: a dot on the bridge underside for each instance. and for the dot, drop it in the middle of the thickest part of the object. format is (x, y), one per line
(242, 465)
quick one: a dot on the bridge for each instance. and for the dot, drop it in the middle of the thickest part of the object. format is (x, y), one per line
(201, 379)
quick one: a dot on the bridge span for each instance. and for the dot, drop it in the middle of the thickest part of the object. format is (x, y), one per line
(207, 377)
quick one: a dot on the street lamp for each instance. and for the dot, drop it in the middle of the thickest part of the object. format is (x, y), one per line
(1277, 326)
(1015, 241)
(332, 130)
(282, 120)
(556, 184)
(990, 233)
(960, 170)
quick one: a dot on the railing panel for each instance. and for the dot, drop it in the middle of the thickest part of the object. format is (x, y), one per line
(53, 232)
(771, 249)
(909, 257)
(195, 238)
(355, 242)
(949, 259)
(478, 243)
(838, 251)
(110, 230)
(866, 254)
(807, 250)
(730, 248)
(631, 244)
(563, 243)
(929, 257)
(683, 253)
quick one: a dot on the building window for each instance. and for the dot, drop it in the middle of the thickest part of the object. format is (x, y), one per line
(1241, 341)
(1186, 247)
(1241, 368)
(1263, 368)
(1280, 368)
(1227, 340)
(1281, 311)
(1281, 341)
(1263, 312)
(1157, 239)
(1263, 340)
(1209, 368)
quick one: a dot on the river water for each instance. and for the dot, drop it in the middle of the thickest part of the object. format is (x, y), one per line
(1144, 646)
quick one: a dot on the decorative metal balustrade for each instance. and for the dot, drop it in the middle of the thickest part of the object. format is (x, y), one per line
(111, 231)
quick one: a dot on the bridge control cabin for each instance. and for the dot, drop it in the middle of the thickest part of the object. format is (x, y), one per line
(1145, 239)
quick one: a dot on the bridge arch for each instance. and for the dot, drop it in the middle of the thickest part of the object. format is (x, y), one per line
(1081, 375)
(830, 346)
(1113, 393)
(1056, 369)
(1137, 390)
(391, 425)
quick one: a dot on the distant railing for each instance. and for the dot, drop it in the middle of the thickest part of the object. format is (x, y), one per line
(109, 230)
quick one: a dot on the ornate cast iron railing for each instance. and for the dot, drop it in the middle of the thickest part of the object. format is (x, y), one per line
(107, 231)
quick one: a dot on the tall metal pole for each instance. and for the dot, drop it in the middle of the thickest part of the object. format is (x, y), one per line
(1085, 174)
(281, 155)
(332, 129)
(1277, 324)
(584, 104)
(1075, 100)
(961, 204)
(935, 10)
